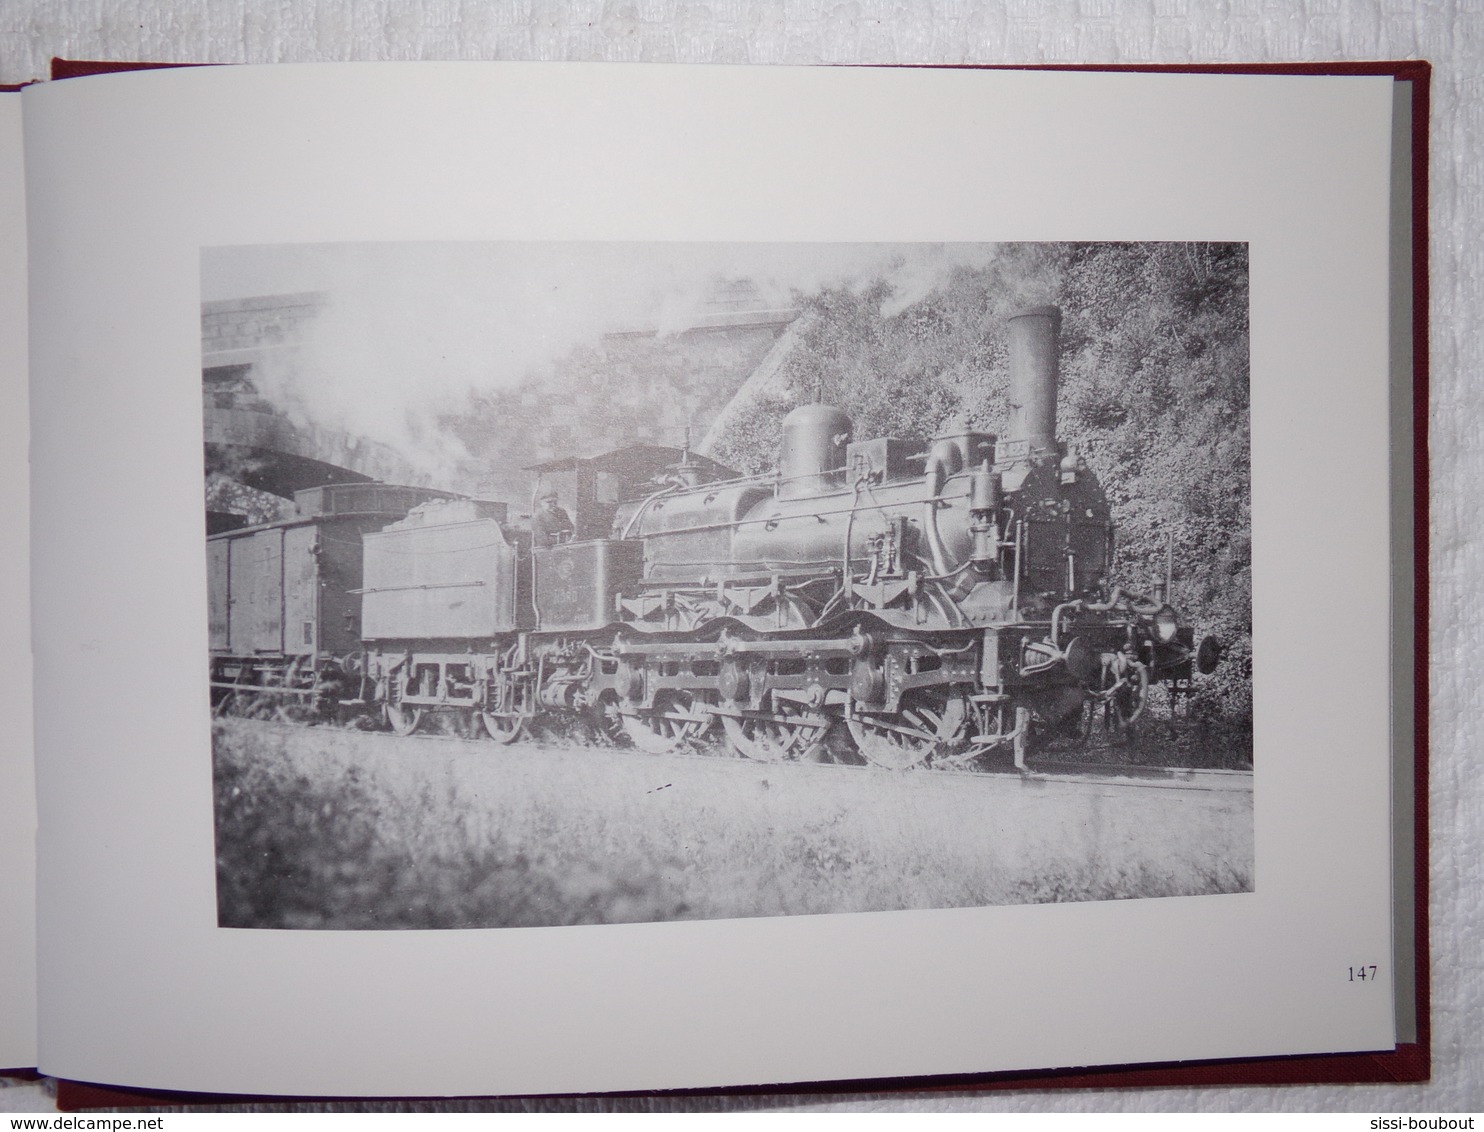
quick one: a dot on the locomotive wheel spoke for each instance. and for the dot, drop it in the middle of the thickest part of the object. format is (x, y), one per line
(503, 729)
(502, 724)
(920, 730)
(403, 720)
(608, 720)
(678, 718)
(774, 739)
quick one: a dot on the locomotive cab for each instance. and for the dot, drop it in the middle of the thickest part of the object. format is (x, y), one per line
(577, 585)
(593, 489)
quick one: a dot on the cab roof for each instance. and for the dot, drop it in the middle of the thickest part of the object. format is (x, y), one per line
(637, 462)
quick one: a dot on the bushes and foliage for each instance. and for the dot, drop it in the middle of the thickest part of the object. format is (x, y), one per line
(226, 494)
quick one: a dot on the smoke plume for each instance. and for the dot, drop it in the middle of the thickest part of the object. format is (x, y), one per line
(409, 332)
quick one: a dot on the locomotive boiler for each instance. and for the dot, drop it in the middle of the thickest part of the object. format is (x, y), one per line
(933, 601)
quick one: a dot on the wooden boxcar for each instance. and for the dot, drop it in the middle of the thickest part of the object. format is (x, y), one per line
(285, 613)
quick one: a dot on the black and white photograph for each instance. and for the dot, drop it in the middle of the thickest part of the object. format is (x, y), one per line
(592, 583)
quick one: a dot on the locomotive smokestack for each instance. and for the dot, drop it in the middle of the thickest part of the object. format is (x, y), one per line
(1033, 378)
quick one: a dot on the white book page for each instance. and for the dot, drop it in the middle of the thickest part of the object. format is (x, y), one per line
(134, 175)
(17, 780)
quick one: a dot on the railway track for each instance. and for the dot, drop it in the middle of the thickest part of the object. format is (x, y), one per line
(1133, 776)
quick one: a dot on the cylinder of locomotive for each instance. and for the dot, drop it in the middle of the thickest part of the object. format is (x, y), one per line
(1033, 378)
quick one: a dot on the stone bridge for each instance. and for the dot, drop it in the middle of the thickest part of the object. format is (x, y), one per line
(250, 441)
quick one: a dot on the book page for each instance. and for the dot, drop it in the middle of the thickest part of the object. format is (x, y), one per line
(172, 203)
(17, 782)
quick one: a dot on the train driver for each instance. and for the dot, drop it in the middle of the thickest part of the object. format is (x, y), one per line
(550, 524)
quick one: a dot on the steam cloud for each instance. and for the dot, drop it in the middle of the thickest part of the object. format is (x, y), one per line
(411, 330)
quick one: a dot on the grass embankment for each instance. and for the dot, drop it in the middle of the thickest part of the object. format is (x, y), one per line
(319, 828)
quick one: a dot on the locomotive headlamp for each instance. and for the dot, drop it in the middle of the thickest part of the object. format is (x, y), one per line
(1166, 624)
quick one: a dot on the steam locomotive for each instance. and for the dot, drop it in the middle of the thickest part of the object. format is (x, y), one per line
(934, 602)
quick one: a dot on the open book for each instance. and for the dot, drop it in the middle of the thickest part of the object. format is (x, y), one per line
(710, 576)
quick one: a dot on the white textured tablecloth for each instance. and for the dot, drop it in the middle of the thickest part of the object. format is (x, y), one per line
(1449, 33)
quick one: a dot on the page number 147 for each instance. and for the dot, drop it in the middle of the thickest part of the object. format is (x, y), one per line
(1363, 974)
